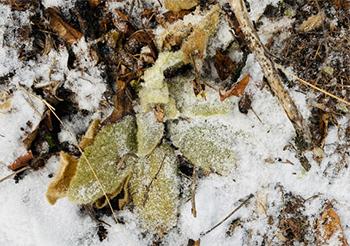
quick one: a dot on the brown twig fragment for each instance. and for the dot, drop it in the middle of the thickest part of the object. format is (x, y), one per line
(14, 173)
(21, 161)
(271, 74)
(193, 193)
(228, 216)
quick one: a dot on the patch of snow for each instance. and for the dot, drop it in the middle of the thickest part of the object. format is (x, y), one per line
(257, 8)
(26, 113)
(58, 3)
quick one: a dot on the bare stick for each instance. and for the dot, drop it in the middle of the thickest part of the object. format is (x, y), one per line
(193, 193)
(293, 76)
(14, 173)
(270, 72)
(228, 216)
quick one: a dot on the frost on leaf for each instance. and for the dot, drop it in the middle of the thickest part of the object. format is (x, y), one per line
(110, 144)
(171, 111)
(177, 5)
(196, 44)
(154, 89)
(149, 133)
(155, 191)
(205, 144)
(191, 106)
(60, 183)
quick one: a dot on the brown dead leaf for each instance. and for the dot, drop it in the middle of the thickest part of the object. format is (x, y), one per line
(139, 39)
(192, 242)
(90, 134)
(63, 29)
(122, 23)
(60, 183)
(196, 43)
(94, 3)
(122, 102)
(177, 5)
(21, 161)
(175, 36)
(124, 200)
(159, 113)
(224, 65)
(237, 89)
(170, 17)
(329, 227)
(313, 22)
(245, 104)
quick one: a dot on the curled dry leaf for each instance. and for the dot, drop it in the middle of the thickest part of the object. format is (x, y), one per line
(236, 89)
(60, 183)
(122, 23)
(244, 104)
(122, 102)
(63, 29)
(177, 5)
(329, 228)
(171, 16)
(196, 44)
(313, 22)
(102, 202)
(5, 101)
(224, 65)
(90, 134)
(192, 242)
(21, 161)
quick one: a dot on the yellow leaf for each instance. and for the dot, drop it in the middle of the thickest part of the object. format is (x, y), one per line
(60, 183)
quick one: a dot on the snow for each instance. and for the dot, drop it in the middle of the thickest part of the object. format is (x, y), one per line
(58, 3)
(27, 219)
(25, 108)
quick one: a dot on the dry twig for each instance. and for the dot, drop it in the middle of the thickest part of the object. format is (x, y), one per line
(193, 193)
(273, 78)
(228, 216)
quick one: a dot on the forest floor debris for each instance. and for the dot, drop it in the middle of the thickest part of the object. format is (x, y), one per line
(156, 114)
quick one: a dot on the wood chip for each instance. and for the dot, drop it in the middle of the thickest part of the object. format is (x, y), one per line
(21, 161)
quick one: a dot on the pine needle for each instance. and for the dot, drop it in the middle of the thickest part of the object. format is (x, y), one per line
(290, 74)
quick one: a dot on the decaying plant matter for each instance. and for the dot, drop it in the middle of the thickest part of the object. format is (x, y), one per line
(146, 109)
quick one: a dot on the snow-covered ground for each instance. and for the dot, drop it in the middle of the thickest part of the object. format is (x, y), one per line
(264, 164)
